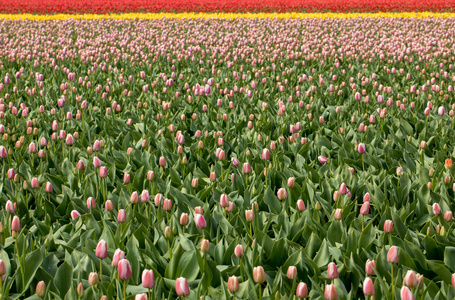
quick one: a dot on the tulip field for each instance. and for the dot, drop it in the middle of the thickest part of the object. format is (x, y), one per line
(212, 151)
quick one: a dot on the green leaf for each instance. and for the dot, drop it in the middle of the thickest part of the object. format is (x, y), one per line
(63, 278)
(272, 201)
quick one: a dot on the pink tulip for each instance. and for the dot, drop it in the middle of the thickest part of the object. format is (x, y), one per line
(103, 172)
(145, 196)
(199, 220)
(410, 280)
(330, 293)
(233, 284)
(246, 168)
(109, 206)
(258, 274)
(332, 271)
(392, 255)
(239, 250)
(302, 290)
(300, 205)
(91, 203)
(142, 296)
(75, 214)
(292, 272)
(134, 198)
(10, 207)
(124, 269)
(35, 183)
(96, 162)
(370, 265)
(249, 215)
(448, 215)
(365, 209)
(148, 279)
(162, 161)
(343, 189)
(338, 214)
(101, 249)
(368, 287)
(16, 224)
(323, 159)
(282, 194)
(388, 226)
(167, 204)
(121, 216)
(361, 148)
(406, 294)
(436, 209)
(118, 256)
(181, 287)
(266, 154)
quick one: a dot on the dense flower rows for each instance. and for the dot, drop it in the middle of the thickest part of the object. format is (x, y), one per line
(118, 6)
(228, 16)
(245, 158)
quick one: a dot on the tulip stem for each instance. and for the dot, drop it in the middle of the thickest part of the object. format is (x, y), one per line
(124, 289)
(101, 272)
(363, 164)
(233, 296)
(260, 291)
(390, 239)
(169, 247)
(363, 220)
(393, 289)
(150, 295)
(20, 263)
(293, 287)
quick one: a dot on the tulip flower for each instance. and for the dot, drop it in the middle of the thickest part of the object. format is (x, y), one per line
(181, 287)
(302, 290)
(436, 209)
(368, 287)
(406, 294)
(332, 271)
(118, 256)
(239, 250)
(16, 224)
(141, 297)
(199, 220)
(410, 280)
(282, 194)
(323, 159)
(300, 205)
(148, 279)
(124, 273)
(330, 293)
(233, 284)
(41, 289)
(370, 265)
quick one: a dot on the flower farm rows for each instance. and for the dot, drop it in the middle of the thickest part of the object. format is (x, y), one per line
(121, 6)
(222, 158)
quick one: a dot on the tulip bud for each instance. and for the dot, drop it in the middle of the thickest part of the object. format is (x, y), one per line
(292, 272)
(181, 287)
(282, 194)
(80, 290)
(332, 271)
(148, 279)
(205, 246)
(124, 269)
(302, 290)
(101, 249)
(330, 292)
(300, 205)
(233, 284)
(392, 255)
(239, 250)
(41, 289)
(258, 274)
(368, 287)
(370, 265)
(388, 226)
(406, 294)
(93, 279)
